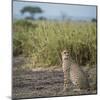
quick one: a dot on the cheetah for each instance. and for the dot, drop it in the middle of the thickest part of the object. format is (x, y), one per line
(73, 73)
(66, 69)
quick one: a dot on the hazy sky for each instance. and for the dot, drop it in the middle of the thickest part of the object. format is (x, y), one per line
(55, 10)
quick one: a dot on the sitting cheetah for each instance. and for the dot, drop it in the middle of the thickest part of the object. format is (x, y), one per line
(73, 73)
(66, 69)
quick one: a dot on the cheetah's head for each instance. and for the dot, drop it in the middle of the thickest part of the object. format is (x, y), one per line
(65, 55)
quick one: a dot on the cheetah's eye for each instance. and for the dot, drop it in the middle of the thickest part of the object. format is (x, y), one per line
(65, 52)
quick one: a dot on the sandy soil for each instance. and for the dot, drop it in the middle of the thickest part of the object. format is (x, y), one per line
(45, 83)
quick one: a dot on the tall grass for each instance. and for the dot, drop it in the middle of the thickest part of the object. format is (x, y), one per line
(44, 41)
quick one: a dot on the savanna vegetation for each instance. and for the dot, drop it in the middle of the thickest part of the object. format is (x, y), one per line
(37, 46)
(42, 41)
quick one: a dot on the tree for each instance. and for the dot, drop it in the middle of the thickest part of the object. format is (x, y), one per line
(31, 10)
(63, 16)
(42, 18)
(93, 20)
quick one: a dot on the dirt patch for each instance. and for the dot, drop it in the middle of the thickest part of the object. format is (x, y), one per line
(45, 83)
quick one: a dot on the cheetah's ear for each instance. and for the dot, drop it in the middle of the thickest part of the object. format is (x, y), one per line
(62, 53)
(66, 50)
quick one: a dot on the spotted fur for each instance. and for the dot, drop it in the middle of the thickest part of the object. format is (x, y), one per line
(73, 73)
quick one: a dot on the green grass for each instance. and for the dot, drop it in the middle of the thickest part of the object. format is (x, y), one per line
(43, 41)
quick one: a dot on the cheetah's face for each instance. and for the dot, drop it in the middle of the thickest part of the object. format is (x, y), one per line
(65, 55)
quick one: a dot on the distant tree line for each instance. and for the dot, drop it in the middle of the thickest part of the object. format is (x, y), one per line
(94, 20)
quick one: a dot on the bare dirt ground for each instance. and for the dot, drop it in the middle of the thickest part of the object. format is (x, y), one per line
(44, 83)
